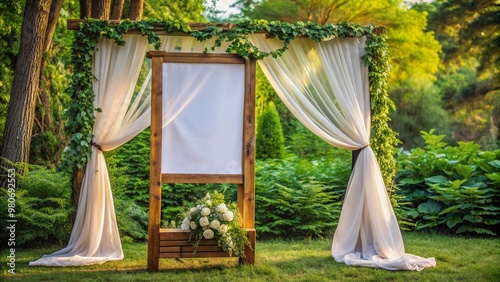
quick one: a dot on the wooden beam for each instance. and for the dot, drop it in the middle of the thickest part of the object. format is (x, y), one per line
(197, 58)
(202, 178)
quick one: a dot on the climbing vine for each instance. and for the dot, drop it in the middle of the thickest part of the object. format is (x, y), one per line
(81, 117)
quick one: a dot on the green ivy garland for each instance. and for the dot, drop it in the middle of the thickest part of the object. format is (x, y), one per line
(80, 114)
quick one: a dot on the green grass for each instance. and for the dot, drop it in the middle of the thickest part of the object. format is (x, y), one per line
(458, 259)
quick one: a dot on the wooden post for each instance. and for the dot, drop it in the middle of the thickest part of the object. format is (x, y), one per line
(155, 165)
(246, 192)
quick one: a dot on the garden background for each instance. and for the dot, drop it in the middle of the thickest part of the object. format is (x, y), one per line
(444, 83)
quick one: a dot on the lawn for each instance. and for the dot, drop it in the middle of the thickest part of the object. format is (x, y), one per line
(458, 259)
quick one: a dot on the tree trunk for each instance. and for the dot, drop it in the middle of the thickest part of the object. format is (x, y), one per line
(55, 8)
(100, 9)
(135, 10)
(20, 114)
(85, 8)
(116, 10)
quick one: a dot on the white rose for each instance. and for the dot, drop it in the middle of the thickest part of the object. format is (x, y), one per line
(228, 216)
(204, 221)
(208, 234)
(223, 229)
(193, 225)
(205, 211)
(215, 224)
(222, 208)
(198, 207)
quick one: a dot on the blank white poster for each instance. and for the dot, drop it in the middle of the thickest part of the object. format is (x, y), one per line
(202, 118)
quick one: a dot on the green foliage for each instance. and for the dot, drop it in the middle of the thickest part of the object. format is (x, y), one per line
(186, 10)
(419, 107)
(270, 142)
(383, 138)
(298, 198)
(451, 188)
(42, 208)
(468, 31)
(133, 158)
(303, 143)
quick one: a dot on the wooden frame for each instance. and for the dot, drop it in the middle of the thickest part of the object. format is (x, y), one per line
(172, 243)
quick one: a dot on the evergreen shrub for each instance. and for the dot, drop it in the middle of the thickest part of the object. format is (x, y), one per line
(270, 142)
(42, 208)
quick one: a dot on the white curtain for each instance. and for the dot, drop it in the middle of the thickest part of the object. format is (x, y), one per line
(325, 85)
(95, 237)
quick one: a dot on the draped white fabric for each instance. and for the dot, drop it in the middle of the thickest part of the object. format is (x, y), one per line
(325, 85)
(95, 238)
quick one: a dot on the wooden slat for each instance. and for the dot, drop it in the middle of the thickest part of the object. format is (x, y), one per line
(201, 178)
(155, 167)
(177, 249)
(190, 249)
(197, 255)
(172, 243)
(174, 234)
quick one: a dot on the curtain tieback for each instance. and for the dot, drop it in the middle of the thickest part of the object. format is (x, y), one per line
(97, 146)
(364, 147)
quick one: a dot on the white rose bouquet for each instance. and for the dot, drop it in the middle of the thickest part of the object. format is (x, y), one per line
(211, 218)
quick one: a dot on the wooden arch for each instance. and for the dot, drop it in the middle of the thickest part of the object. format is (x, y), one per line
(173, 243)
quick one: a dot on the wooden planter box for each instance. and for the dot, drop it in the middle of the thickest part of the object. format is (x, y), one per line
(174, 244)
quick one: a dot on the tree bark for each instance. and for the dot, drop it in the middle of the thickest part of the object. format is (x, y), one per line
(85, 6)
(100, 9)
(20, 114)
(135, 10)
(116, 10)
(55, 9)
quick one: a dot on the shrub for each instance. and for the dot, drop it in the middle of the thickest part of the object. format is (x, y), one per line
(42, 208)
(451, 188)
(133, 158)
(270, 142)
(298, 197)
